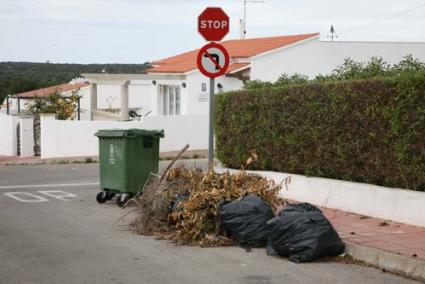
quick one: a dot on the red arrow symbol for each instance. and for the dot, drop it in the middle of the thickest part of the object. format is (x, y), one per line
(217, 65)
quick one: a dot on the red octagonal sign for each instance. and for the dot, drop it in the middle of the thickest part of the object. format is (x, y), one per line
(213, 24)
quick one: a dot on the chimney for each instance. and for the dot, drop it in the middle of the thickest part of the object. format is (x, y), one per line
(241, 29)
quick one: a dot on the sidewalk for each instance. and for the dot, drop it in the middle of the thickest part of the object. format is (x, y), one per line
(16, 160)
(388, 245)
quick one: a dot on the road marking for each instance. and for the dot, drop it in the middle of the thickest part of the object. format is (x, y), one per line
(47, 185)
(58, 194)
(33, 198)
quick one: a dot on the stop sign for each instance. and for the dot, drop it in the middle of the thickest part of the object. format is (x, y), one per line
(213, 24)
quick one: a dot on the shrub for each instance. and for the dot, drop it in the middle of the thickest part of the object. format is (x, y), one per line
(63, 107)
(375, 68)
(361, 130)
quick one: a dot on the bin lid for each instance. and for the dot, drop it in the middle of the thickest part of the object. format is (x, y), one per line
(134, 132)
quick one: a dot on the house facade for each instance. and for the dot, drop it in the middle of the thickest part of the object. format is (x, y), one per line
(174, 85)
(313, 56)
(16, 104)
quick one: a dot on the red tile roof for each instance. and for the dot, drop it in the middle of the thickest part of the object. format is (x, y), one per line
(236, 66)
(241, 48)
(45, 92)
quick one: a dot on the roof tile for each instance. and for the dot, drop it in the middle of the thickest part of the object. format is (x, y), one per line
(45, 92)
(240, 48)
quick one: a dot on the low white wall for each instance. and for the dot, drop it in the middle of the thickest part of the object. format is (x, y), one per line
(400, 205)
(8, 137)
(65, 138)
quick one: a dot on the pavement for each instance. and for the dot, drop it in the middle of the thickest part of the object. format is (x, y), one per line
(391, 246)
(53, 231)
(382, 234)
(17, 160)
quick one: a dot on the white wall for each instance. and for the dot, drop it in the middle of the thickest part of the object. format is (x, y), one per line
(26, 136)
(84, 103)
(65, 138)
(141, 96)
(400, 205)
(8, 137)
(321, 57)
(197, 101)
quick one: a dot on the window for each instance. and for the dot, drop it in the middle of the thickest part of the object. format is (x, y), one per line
(170, 100)
(203, 87)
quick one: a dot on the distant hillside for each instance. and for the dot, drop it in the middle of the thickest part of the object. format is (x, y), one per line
(17, 77)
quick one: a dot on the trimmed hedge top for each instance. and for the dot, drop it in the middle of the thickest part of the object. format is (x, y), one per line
(369, 131)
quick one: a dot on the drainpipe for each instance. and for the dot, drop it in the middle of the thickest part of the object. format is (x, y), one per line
(7, 104)
(79, 108)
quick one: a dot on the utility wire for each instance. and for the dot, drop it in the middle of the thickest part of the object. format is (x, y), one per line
(383, 20)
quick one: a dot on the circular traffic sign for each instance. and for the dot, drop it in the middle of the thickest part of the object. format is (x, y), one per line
(213, 24)
(213, 60)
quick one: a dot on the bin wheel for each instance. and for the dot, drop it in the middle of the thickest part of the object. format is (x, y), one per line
(110, 195)
(122, 199)
(101, 197)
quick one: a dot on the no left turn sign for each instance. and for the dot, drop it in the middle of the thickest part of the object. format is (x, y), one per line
(213, 60)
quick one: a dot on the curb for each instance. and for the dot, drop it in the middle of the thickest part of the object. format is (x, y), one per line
(54, 161)
(407, 266)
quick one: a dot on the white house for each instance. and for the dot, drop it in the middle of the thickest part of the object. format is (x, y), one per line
(16, 104)
(173, 94)
(312, 57)
(174, 86)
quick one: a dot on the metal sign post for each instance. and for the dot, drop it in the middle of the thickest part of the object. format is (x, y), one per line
(211, 128)
(213, 60)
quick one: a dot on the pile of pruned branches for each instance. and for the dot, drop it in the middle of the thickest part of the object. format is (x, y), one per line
(182, 206)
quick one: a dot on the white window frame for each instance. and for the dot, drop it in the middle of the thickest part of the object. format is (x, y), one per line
(171, 99)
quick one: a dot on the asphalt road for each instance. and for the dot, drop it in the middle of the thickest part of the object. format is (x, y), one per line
(53, 231)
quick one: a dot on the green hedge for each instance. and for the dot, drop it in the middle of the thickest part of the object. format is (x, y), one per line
(369, 131)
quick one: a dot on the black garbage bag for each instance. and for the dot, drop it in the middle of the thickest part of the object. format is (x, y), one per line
(302, 233)
(299, 207)
(245, 220)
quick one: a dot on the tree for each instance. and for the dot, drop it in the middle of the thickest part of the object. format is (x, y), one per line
(63, 107)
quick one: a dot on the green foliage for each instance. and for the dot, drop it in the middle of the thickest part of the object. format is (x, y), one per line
(290, 80)
(369, 131)
(376, 67)
(351, 70)
(63, 107)
(18, 77)
(257, 84)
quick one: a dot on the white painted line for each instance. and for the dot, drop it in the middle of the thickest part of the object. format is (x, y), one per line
(48, 185)
(58, 194)
(32, 197)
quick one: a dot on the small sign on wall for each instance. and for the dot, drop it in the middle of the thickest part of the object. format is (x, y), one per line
(203, 97)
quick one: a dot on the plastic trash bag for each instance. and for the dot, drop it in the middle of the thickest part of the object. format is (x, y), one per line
(302, 233)
(245, 220)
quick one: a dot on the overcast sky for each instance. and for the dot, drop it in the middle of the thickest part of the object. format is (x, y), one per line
(136, 31)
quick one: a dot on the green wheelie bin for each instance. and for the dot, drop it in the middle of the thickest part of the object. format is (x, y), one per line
(126, 159)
